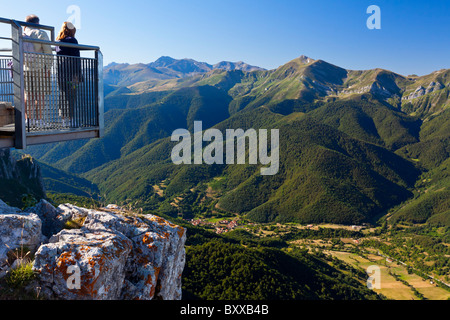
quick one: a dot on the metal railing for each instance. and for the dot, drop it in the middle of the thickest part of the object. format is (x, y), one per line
(51, 94)
(60, 95)
(6, 82)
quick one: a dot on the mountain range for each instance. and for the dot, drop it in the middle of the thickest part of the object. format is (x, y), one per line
(354, 144)
(164, 68)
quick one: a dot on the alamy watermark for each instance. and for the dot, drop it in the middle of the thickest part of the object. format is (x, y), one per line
(374, 21)
(75, 15)
(73, 281)
(228, 149)
(374, 279)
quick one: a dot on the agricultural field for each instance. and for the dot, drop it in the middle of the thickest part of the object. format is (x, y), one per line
(391, 275)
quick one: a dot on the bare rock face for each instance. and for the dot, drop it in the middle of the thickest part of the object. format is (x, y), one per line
(421, 91)
(19, 177)
(19, 231)
(52, 220)
(80, 264)
(106, 254)
(112, 256)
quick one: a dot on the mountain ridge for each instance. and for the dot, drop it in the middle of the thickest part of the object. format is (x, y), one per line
(382, 114)
(165, 68)
(308, 80)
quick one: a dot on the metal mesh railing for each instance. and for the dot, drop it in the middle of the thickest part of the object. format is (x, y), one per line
(6, 81)
(45, 96)
(60, 92)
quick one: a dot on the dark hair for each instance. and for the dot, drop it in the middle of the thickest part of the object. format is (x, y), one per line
(32, 18)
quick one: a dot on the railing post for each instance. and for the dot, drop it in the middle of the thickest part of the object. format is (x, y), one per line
(100, 93)
(19, 84)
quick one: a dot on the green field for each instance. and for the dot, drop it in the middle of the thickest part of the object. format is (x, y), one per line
(390, 287)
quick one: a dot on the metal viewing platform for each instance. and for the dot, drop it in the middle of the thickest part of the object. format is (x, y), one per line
(39, 102)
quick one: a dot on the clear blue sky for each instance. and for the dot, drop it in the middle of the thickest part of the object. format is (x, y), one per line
(414, 35)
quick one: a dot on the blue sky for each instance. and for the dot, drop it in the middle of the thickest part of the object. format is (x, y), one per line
(414, 35)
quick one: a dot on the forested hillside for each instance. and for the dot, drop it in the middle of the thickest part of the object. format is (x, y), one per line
(365, 149)
(353, 144)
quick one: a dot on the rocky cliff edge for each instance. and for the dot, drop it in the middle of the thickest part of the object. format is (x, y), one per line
(103, 254)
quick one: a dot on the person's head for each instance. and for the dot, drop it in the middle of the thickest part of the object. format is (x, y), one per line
(67, 30)
(32, 18)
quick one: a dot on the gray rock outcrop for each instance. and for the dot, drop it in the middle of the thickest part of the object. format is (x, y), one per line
(111, 255)
(19, 231)
(52, 219)
(421, 91)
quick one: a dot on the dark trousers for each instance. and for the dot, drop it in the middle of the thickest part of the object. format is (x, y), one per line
(68, 80)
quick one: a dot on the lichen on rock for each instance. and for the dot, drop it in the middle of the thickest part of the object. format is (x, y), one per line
(19, 231)
(111, 256)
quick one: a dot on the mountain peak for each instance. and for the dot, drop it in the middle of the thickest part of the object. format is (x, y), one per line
(163, 61)
(240, 65)
(115, 64)
(304, 59)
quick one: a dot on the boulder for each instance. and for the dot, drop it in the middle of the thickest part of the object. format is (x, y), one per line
(52, 221)
(20, 232)
(111, 253)
(81, 264)
(114, 255)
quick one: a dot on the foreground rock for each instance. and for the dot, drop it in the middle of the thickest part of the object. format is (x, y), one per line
(19, 233)
(111, 255)
(52, 218)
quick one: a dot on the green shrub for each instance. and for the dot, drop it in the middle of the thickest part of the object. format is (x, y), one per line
(21, 276)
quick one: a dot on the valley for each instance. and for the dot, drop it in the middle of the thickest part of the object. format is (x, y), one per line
(363, 176)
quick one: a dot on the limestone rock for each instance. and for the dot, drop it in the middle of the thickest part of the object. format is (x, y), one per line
(421, 91)
(379, 89)
(119, 256)
(19, 230)
(52, 221)
(433, 86)
(114, 254)
(80, 264)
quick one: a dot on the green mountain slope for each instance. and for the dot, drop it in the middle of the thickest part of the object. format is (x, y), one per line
(432, 200)
(367, 119)
(353, 143)
(233, 272)
(130, 129)
(58, 181)
(328, 176)
(427, 95)
(325, 175)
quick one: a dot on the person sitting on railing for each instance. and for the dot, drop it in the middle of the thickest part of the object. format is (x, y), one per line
(37, 70)
(69, 75)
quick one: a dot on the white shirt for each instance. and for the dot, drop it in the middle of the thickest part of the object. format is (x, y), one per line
(43, 60)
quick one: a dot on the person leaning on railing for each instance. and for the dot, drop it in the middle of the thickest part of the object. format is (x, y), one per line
(38, 64)
(69, 74)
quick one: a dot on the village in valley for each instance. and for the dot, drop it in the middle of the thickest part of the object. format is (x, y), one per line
(221, 226)
(408, 272)
(357, 246)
